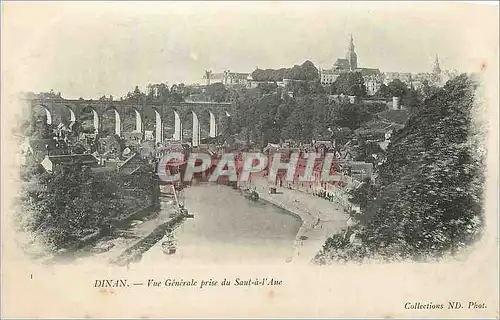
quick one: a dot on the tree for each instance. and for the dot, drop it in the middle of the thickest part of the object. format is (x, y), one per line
(351, 83)
(40, 129)
(412, 100)
(265, 127)
(137, 92)
(299, 88)
(70, 203)
(300, 125)
(396, 88)
(428, 90)
(334, 89)
(283, 112)
(431, 184)
(216, 92)
(350, 115)
(295, 73)
(365, 192)
(267, 88)
(294, 126)
(310, 71)
(137, 95)
(315, 87)
(382, 92)
(365, 150)
(321, 119)
(306, 71)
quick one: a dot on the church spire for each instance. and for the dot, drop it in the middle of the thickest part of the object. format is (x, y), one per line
(351, 56)
(351, 44)
(437, 68)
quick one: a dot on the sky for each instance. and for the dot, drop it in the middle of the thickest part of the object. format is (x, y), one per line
(87, 50)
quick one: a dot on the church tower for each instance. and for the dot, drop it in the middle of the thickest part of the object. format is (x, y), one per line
(351, 56)
(436, 70)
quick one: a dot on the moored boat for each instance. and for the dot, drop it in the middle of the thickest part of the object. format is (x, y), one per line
(169, 246)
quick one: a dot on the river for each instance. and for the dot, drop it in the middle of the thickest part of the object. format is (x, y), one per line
(229, 229)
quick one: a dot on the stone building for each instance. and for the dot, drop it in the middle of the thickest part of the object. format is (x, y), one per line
(227, 78)
(51, 162)
(437, 77)
(374, 79)
(37, 149)
(350, 64)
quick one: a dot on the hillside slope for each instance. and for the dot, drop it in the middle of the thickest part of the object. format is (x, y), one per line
(429, 200)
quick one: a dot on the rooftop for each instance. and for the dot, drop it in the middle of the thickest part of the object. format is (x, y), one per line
(72, 158)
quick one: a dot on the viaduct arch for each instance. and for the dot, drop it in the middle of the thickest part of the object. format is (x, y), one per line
(185, 111)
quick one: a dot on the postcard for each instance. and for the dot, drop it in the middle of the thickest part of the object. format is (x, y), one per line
(249, 159)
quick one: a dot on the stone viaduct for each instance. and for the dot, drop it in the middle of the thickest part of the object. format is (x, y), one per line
(61, 110)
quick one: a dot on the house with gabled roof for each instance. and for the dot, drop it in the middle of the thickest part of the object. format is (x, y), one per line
(134, 164)
(37, 149)
(51, 162)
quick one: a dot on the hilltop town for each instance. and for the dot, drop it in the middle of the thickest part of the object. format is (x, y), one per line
(373, 78)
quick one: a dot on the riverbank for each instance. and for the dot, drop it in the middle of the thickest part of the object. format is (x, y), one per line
(123, 244)
(134, 252)
(320, 218)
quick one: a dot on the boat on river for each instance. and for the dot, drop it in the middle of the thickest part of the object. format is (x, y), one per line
(169, 246)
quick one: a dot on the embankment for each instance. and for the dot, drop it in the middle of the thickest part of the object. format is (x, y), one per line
(320, 218)
(134, 252)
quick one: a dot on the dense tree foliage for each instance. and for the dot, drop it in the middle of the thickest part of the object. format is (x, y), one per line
(216, 92)
(262, 116)
(274, 75)
(411, 99)
(428, 90)
(350, 115)
(67, 205)
(37, 128)
(267, 88)
(396, 88)
(430, 186)
(350, 83)
(306, 71)
(63, 207)
(363, 194)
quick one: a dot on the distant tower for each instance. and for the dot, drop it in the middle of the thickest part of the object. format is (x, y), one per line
(351, 56)
(436, 69)
(227, 73)
(208, 76)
